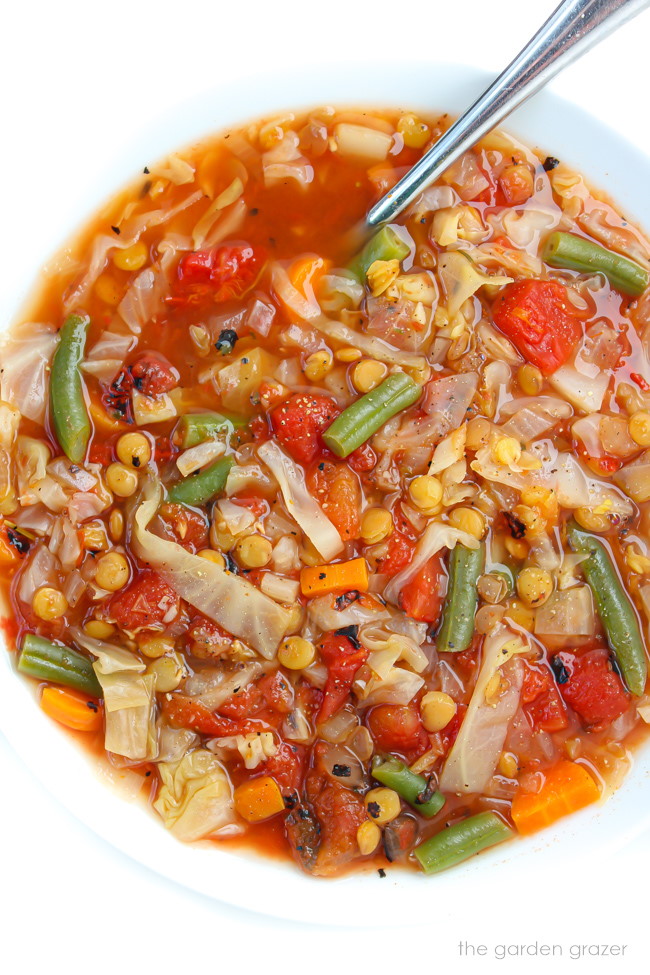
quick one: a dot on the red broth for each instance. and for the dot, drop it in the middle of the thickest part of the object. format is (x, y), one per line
(361, 641)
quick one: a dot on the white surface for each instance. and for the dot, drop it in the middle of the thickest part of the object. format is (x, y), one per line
(84, 75)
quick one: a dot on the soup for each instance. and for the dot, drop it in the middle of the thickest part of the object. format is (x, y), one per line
(341, 546)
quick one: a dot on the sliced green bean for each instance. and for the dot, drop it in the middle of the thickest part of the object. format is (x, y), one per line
(460, 841)
(196, 428)
(614, 607)
(198, 489)
(364, 417)
(44, 660)
(386, 245)
(67, 401)
(579, 254)
(457, 627)
(413, 788)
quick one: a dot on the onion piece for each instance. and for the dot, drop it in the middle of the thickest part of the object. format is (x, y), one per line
(228, 599)
(585, 392)
(300, 504)
(360, 143)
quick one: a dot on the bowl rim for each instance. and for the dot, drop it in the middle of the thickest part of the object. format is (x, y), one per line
(248, 880)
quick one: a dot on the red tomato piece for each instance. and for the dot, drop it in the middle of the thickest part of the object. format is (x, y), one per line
(590, 686)
(362, 459)
(299, 422)
(399, 545)
(100, 453)
(398, 728)
(449, 733)
(145, 604)
(188, 528)
(338, 492)
(257, 505)
(542, 701)
(536, 316)
(152, 374)
(259, 429)
(217, 274)
(421, 598)
(185, 712)
(271, 692)
(286, 766)
(343, 657)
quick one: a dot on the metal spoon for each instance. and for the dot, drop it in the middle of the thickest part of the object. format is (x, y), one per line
(571, 30)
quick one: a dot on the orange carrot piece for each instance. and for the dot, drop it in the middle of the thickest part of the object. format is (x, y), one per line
(258, 799)
(318, 580)
(72, 709)
(306, 271)
(568, 787)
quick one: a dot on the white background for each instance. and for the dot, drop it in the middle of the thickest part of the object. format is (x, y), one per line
(68, 902)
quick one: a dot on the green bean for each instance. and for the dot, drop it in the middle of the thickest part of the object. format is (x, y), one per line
(67, 401)
(614, 607)
(579, 254)
(460, 841)
(197, 489)
(195, 428)
(411, 787)
(386, 245)
(44, 660)
(364, 417)
(457, 627)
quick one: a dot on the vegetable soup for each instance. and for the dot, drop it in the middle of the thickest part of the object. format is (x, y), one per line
(339, 546)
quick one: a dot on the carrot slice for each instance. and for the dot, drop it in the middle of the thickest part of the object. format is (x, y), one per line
(72, 709)
(318, 580)
(568, 787)
(258, 799)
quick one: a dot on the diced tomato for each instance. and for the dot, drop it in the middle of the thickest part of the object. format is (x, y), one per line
(258, 506)
(399, 545)
(100, 453)
(591, 687)
(188, 528)
(362, 459)
(207, 639)
(217, 274)
(338, 492)
(186, 712)
(515, 184)
(541, 699)
(146, 603)
(343, 657)
(299, 422)
(637, 378)
(421, 598)
(399, 837)
(259, 429)
(398, 728)
(536, 316)
(286, 766)
(152, 374)
(164, 450)
(271, 692)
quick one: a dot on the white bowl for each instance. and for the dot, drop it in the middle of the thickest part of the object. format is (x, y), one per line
(242, 879)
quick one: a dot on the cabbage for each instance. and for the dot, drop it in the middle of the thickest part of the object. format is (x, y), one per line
(634, 478)
(325, 615)
(436, 536)
(195, 798)
(449, 451)
(300, 504)
(568, 612)
(253, 748)
(178, 171)
(228, 599)
(529, 423)
(194, 458)
(284, 161)
(111, 659)
(461, 278)
(26, 353)
(585, 392)
(388, 648)
(361, 143)
(474, 755)
(130, 728)
(215, 685)
(399, 687)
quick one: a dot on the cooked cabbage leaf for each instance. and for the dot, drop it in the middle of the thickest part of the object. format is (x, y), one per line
(195, 798)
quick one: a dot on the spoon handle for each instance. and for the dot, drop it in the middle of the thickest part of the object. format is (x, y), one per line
(571, 30)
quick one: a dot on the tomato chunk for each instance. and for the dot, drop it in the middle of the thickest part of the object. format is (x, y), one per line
(398, 728)
(146, 603)
(343, 656)
(590, 686)
(536, 316)
(152, 374)
(299, 422)
(542, 701)
(187, 528)
(271, 692)
(217, 274)
(338, 492)
(186, 712)
(421, 598)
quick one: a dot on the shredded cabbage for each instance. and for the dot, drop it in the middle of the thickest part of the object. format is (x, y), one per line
(475, 753)
(461, 278)
(26, 353)
(195, 798)
(300, 504)
(228, 599)
(568, 612)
